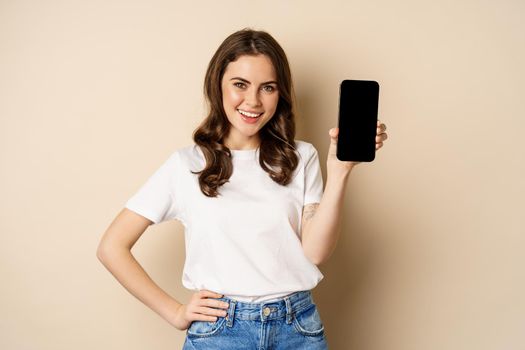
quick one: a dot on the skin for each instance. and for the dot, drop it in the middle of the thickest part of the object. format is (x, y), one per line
(253, 93)
(246, 86)
(321, 222)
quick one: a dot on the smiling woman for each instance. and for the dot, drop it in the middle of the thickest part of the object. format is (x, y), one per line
(248, 87)
(249, 102)
(243, 84)
(250, 196)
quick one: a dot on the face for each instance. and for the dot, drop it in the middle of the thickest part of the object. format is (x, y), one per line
(249, 97)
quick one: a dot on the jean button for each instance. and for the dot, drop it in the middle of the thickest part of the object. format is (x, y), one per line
(266, 311)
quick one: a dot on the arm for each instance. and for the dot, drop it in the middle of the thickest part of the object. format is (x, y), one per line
(321, 222)
(114, 251)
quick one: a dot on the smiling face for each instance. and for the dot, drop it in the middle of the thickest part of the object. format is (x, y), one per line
(250, 97)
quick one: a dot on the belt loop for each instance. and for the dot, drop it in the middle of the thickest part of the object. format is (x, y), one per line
(289, 311)
(231, 313)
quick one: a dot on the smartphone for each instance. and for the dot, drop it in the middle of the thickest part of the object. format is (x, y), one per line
(358, 103)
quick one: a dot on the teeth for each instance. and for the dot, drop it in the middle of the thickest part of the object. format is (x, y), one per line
(247, 114)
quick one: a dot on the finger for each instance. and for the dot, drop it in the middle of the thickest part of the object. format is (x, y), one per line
(215, 303)
(209, 294)
(379, 145)
(200, 317)
(381, 137)
(208, 311)
(203, 313)
(381, 129)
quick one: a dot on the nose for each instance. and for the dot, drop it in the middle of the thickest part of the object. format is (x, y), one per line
(252, 98)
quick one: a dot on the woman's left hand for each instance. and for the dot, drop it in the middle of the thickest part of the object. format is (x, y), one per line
(336, 167)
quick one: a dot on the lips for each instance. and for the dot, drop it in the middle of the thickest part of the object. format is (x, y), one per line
(250, 114)
(249, 120)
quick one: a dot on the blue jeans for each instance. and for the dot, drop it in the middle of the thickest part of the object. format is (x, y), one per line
(291, 322)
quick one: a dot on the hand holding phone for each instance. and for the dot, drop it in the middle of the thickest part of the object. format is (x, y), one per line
(358, 105)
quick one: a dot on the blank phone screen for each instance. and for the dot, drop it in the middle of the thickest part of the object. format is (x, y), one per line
(358, 104)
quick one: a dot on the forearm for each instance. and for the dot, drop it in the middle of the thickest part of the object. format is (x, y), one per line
(126, 269)
(321, 232)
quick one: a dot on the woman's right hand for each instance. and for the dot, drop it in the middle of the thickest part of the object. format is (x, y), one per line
(199, 308)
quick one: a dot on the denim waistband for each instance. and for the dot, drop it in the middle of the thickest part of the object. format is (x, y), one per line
(283, 307)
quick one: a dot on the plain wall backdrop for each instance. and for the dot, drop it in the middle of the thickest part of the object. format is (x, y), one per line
(95, 95)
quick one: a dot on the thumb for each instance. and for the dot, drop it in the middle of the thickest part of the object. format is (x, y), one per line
(333, 132)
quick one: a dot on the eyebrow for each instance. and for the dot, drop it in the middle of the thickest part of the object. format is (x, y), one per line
(246, 81)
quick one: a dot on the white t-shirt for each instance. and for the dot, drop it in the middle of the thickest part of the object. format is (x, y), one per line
(245, 243)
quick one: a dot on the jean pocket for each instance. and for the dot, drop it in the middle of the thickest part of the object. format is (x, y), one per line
(205, 328)
(308, 322)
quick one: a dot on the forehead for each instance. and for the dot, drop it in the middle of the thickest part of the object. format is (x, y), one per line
(253, 68)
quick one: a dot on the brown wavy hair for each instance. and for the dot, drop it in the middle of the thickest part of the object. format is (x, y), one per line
(277, 148)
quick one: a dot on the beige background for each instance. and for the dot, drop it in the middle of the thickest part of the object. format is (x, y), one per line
(95, 95)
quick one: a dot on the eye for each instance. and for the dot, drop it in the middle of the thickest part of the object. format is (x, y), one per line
(269, 88)
(239, 85)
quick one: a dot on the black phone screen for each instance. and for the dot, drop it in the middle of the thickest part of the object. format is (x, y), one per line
(358, 104)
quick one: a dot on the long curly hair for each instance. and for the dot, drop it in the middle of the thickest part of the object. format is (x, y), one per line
(277, 148)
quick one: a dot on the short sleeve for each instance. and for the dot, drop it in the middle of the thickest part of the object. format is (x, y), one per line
(313, 184)
(155, 199)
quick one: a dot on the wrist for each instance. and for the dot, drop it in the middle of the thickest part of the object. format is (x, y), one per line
(338, 177)
(170, 309)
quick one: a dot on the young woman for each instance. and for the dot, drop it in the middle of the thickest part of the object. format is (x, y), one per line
(250, 196)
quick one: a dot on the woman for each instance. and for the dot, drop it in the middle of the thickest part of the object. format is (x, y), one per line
(251, 199)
